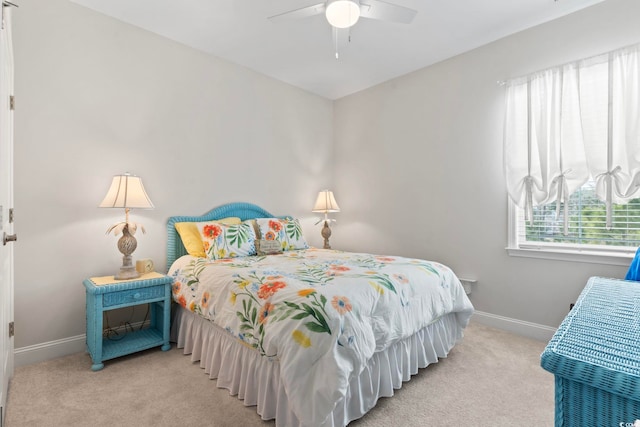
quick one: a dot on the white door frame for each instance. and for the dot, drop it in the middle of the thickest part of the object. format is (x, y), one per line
(6, 201)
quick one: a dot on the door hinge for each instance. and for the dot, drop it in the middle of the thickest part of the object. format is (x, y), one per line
(12, 102)
(6, 4)
(10, 215)
(12, 329)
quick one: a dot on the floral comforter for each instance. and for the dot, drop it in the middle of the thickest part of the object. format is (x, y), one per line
(321, 313)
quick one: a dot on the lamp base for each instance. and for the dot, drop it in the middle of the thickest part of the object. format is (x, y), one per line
(326, 233)
(126, 245)
(127, 272)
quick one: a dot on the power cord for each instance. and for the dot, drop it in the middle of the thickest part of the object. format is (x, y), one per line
(112, 334)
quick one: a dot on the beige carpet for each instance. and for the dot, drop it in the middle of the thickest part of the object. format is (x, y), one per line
(491, 379)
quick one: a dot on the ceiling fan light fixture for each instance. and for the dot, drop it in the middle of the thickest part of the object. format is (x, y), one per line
(342, 13)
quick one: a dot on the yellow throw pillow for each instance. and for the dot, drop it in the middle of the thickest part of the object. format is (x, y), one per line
(190, 235)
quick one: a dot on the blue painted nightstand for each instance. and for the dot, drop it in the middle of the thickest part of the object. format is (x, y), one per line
(106, 293)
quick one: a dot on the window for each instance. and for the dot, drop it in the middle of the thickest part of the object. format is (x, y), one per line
(572, 160)
(587, 222)
(587, 238)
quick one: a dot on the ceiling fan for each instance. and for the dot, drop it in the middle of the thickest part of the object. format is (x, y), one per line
(343, 14)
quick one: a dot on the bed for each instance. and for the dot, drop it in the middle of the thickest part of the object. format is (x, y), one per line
(311, 337)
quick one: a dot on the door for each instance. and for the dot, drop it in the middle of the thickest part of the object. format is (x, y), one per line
(6, 203)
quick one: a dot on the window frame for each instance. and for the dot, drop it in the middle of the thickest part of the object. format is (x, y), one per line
(594, 254)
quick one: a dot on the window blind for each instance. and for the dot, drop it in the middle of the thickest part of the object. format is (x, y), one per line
(587, 223)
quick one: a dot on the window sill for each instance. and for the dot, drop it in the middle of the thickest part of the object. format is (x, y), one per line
(621, 258)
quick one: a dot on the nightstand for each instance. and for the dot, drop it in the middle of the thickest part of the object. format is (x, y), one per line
(106, 293)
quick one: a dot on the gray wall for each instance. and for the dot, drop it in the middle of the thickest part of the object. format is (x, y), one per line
(95, 98)
(418, 164)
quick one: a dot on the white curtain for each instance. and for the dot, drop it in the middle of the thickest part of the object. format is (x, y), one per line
(571, 123)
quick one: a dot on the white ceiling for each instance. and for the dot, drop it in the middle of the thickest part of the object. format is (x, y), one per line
(302, 52)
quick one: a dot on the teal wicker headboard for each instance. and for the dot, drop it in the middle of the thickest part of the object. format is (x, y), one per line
(175, 248)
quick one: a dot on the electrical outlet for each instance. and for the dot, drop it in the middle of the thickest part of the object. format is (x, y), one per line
(467, 284)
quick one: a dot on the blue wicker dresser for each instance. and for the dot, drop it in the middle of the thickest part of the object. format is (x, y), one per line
(595, 357)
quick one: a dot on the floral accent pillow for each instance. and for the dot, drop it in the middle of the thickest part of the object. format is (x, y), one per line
(227, 241)
(190, 235)
(287, 231)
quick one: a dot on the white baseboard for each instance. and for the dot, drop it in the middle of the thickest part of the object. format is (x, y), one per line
(64, 347)
(519, 327)
(48, 350)
(58, 348)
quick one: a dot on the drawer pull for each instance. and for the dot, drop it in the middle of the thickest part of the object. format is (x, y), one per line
(136, 295)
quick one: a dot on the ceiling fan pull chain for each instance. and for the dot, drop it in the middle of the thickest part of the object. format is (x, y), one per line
(335, 40)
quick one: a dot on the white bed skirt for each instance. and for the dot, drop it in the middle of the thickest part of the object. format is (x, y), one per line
(256, 380)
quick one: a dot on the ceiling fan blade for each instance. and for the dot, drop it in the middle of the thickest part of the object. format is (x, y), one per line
(304, 12)
(383, 11)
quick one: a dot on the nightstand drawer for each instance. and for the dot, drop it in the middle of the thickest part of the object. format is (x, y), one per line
(133, 295)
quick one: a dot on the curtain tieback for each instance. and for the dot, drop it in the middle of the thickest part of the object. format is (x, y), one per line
(563, 193)
(608, 178)
(528, 203)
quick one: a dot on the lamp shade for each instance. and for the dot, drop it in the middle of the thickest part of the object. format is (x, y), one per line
(326, 202)
(342, 13)
(126, 191)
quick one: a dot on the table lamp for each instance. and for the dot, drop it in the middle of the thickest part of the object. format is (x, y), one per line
(126, 192)
(326, 203)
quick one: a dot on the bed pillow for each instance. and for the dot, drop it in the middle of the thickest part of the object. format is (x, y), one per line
(190, 235)
(227, 241)
(287, 231)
